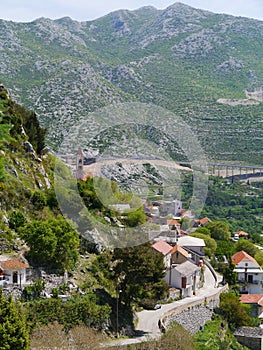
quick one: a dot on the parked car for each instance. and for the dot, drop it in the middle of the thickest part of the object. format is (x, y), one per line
(157, 306)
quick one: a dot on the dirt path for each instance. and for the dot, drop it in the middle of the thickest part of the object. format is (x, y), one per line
(95, 168)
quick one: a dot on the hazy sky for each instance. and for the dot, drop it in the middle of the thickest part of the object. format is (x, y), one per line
(82, 10)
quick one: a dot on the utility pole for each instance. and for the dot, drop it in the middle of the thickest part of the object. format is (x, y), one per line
(117, 311)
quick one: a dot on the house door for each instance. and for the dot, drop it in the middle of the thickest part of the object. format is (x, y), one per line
(183, 283)
(250, 279)
(15, 279)
(194, 284)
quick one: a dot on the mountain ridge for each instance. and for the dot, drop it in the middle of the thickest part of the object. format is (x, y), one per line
(180, 58)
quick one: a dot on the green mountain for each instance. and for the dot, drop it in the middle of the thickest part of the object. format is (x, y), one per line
(204, 67)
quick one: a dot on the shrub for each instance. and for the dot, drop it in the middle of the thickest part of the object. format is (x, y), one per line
(38, 200)
(16, 220)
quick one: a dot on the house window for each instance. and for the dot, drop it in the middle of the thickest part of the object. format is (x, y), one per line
(250, 279)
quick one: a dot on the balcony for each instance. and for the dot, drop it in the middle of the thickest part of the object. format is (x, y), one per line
(254, 281)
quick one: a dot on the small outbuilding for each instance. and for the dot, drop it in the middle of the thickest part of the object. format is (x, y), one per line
(13, 272)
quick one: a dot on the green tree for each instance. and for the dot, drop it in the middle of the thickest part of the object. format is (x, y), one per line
(203, 230)
(210, 243)
(33, 292)
(89, 195)
(185, 223)
(233, 311)
(259, 257)
(4, 136)
(38, 199)
(66, 253)
(219, 230)
(2, 168)
(42, 241)
(136, 218)
(16, 220)
(52, 241)
(51, 198)
(139, 271)
(28, 119)
(247, 246)
(225, 248)
(14, 334)
(229, 275)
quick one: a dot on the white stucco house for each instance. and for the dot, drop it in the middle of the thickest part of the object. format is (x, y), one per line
(13, 272)
(194, 246)
(185, 276)
(250, 274)
(165, 249)
(256, 303)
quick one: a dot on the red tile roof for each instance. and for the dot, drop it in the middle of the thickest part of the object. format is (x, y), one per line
(204, 221)
(183, 211)
(89, 175)
(173, 222)
(162, 247)
(252, 299)
(239, 256)
(13, 265)
(242, 233)
(180, 250)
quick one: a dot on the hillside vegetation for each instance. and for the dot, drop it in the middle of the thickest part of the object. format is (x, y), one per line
(204, 67)
(31, 225)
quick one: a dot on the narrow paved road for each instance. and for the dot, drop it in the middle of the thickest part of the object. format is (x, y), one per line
(147, 327)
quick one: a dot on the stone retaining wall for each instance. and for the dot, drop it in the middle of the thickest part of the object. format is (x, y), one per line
(251, 337)
(193, 318)
(195, 314)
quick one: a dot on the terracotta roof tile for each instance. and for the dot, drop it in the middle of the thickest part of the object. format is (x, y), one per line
(183, 211)
(180, 250)
(242, 233)
(173, 222)
(239, 256)
(13, 265)
(204, 221)
(162, 247)
(252, 299)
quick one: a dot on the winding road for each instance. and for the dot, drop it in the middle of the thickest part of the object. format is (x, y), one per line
(147, 327)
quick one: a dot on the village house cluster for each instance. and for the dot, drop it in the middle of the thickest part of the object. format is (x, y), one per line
(183, 254)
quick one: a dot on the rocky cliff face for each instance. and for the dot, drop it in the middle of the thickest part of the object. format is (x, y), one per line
(23, 170)
(180, 58)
